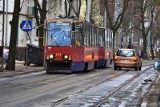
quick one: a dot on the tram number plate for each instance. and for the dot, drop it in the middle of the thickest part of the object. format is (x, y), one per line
(125, 61)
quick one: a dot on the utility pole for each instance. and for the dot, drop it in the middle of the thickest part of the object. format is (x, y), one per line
(66, 8)
(2, 61)
(88, 10)
(6, 33)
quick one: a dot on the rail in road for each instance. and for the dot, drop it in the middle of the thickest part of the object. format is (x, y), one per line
(97, 96)
(24, 90)
(131, 79)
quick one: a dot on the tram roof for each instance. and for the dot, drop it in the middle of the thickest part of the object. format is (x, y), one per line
(64, 20)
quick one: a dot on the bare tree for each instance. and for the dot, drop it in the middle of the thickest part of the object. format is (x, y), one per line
(73, 8)
(40, 21)
(145, 14)
(155, 31)
(115, 23)
(96, 17)
(14, 33)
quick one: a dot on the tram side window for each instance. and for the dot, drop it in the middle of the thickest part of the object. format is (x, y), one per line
(92, 35)
(100, 41)
(101, 38)
(73, 35)
(110, 39)
(88, 35)
(106, 39)
(79, 35)
(85, 35)
(96, 36)
(81, 30)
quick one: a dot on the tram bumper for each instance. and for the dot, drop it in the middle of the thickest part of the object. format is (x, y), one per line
(58, 66)
(64, 66)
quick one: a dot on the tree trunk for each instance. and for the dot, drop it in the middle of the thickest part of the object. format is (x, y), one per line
(14, 34)
(144, 54)
(42, 19)
(152, 51)
(114, 35)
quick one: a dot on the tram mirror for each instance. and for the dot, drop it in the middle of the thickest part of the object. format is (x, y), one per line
(157, 65)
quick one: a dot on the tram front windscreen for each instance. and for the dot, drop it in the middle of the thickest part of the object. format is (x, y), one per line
(59, 33)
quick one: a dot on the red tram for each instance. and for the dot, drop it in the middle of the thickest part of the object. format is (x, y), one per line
(72, 45)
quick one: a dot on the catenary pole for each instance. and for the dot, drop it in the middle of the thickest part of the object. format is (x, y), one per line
(88, 10)
(6, 31)
(3, 35)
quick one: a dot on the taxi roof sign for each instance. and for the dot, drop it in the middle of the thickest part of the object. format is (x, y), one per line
(26, 25)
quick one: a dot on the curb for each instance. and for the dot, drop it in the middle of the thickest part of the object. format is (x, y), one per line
(151, 99)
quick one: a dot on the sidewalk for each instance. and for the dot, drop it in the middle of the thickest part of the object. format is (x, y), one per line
(21, 69)
(152, 98)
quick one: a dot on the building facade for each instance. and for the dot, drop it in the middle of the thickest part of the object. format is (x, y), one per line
(26, 13)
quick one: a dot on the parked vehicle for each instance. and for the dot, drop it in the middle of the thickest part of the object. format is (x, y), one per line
(127, 58)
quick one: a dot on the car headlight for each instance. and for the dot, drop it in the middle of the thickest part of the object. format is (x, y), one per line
(51, 56)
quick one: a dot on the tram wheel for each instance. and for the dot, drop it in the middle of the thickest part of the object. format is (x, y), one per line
(115, 67)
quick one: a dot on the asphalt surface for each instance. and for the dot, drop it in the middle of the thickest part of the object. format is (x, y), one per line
(150, 100)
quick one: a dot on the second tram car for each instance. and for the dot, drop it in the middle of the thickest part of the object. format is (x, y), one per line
(72, 45)
(105, 43)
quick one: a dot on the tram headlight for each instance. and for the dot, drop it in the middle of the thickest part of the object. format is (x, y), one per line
(51, 56)
(65, 57)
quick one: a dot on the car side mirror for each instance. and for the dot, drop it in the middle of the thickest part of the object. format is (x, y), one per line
(157, 65)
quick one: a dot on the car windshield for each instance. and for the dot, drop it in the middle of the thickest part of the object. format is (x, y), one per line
(59, 33)
(125, 53)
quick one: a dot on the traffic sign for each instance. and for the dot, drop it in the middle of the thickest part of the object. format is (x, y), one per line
(26, 25)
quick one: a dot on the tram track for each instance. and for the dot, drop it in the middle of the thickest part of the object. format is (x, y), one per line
(103, 99)
(82, 80)
(42, 90)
